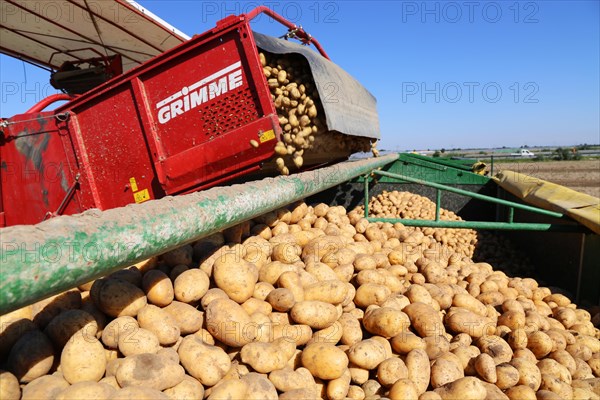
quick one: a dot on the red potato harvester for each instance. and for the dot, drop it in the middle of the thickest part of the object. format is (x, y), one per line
(194, 116)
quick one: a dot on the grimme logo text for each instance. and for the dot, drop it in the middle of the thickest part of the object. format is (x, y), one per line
(190, 97)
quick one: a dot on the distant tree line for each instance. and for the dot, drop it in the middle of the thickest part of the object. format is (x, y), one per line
(564, 153)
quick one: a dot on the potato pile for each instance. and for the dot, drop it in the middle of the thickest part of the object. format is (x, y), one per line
(491, 247)
(303, 303)
(301, 115)
(408, 205)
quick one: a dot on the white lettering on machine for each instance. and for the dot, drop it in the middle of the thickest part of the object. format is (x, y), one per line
(200, 92)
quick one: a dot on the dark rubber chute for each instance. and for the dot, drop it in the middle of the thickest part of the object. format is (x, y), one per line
(349, 107)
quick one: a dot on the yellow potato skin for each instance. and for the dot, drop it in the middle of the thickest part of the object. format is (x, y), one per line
(9, 386)
(44, 387)
(83, 359)
(86, 390)
(468, 388)
(417, 363)
(403, 389)
(268, 357)
(444, 371)
(227, 321)
(385, 321)
(367, 354)
(316, 314)
(217, 364)
(324, 361)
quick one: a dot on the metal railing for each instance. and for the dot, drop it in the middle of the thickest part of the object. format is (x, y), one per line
(510, 224)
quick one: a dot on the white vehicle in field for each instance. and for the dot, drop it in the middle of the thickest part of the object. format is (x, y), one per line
(523, 153)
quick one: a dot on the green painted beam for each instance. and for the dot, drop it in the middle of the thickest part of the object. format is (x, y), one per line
(431, 169)
(514, 226)
(456, 164)
(56, 255)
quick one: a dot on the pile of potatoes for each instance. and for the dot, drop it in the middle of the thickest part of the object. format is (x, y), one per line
(408, 205)
(303, 303)
(301, 116)
(481, 246)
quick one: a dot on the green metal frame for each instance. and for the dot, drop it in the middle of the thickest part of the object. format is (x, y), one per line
(440, 170)
(437, 223)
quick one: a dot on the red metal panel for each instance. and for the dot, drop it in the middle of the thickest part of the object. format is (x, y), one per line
(201, 95)
(225, 155)
(207, 95)
(195, 116)
(195, 109)
(112, 150)
(35, 175)
(2, 213)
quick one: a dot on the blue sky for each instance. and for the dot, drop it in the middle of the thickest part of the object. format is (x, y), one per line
(445, 74)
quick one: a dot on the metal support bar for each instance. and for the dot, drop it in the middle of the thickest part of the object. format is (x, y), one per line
(299, 32)
(511, 214)
(68, 196)
(53, 256)
(470, 194)
(438, 201)
(367, 195)
(514, 226)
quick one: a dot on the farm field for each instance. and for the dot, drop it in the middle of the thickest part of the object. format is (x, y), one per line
(583, 176)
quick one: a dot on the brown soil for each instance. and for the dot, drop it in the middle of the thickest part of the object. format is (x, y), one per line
(583, 176)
